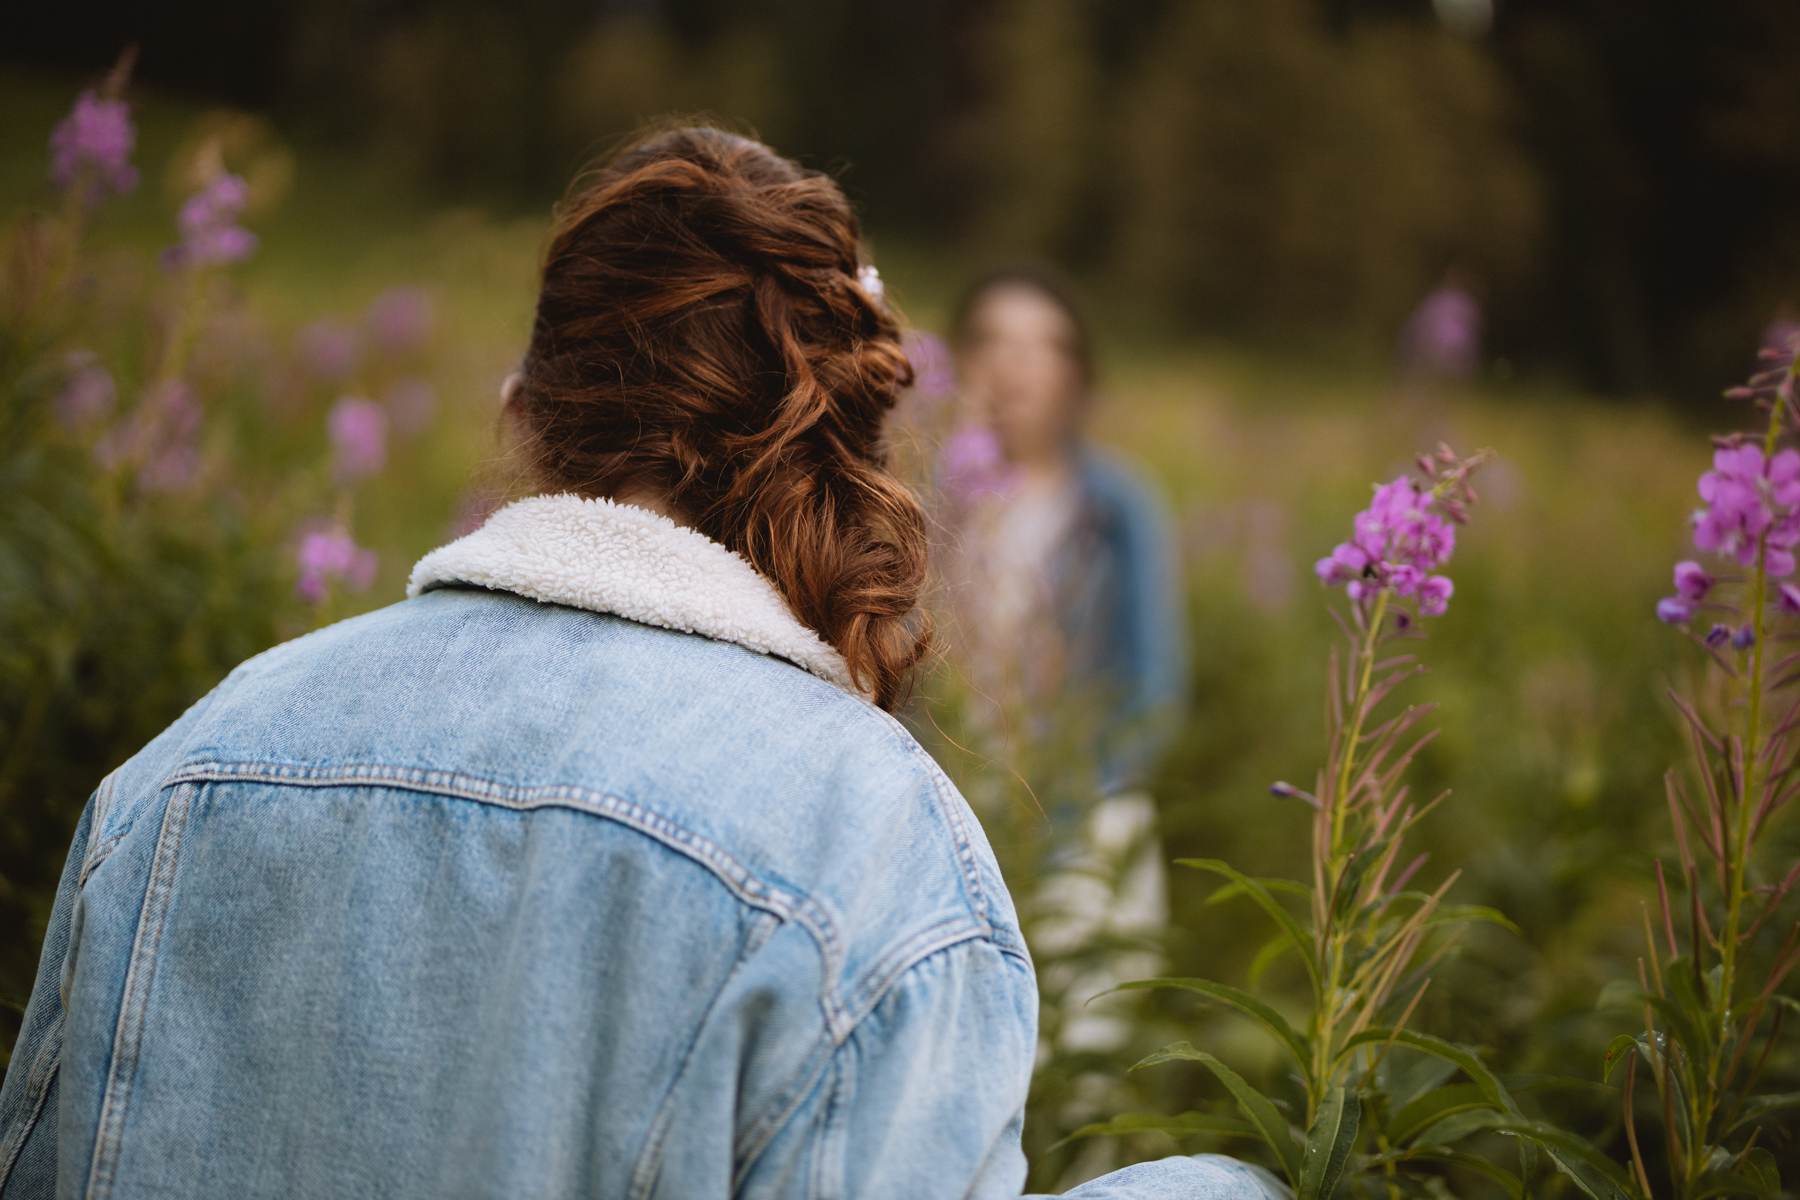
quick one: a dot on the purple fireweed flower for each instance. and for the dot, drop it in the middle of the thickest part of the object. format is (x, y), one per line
(1344, 563)
(1434, 595)
(358, 436)
(1397, 543)
(1673, 610)
(328, 349)
(1752, 500)
(1782, 336)
(1718, 635)
(210, 235)
(161, 437)
(1443, 335)
(972, 467)
(91, 148)
(1691, 581)
(934, 373)
(410, 405)
(400, 320)
(327, 554)
(88, 395)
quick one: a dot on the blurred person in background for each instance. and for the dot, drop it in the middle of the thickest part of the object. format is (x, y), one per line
(596, 866)
(1062, 583)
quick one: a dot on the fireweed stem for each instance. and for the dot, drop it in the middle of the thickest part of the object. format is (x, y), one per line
(1739, 832)
(1332, 940)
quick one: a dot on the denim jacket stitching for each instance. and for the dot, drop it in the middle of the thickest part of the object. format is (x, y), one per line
(901, 958)
(827, 1175)
(103, 843)
(643, 1175)
(738, 878)
(44, 1067)
(133, 1009)
(749, 1147)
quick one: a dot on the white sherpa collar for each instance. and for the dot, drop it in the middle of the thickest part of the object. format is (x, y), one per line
(625, 560)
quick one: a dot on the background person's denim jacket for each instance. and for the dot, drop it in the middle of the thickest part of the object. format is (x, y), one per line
(481, 896)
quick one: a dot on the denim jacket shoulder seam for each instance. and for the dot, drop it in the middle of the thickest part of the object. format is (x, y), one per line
(738, 878)
(902, 957)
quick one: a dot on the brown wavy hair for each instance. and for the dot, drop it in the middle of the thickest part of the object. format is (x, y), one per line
(701, 336)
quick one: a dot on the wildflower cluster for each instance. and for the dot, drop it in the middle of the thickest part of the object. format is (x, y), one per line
(1403, 537)
(162, 442)
(90, 151)
(210, 234)
(1707, 990)
(1374, 1115)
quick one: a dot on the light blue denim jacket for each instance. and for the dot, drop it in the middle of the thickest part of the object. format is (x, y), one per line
(1118, 597)
(583, 871)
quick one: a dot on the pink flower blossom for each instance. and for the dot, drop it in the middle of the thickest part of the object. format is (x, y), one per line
(400, 320)
(210, 235)
(91, 148)
(328, 555)
(358, 437)
(1396, 544)
(328, 350)
(972, 466)
(1752, 501)
(934, 375)
(88, 395)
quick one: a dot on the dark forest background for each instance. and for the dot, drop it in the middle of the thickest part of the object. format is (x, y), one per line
(1616, 175)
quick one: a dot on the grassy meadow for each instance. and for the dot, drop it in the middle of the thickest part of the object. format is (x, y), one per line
(1549, 670)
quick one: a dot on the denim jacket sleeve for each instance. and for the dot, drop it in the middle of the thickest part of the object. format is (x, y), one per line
(28, 1100)
(924, 1098)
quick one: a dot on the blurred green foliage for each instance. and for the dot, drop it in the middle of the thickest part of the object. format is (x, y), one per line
(1616, 175)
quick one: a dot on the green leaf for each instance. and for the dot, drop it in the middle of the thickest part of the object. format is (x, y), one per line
(1475, 913)
(1265, 958)
(1617, 1049)
(1422, 1114)
(1460, 1056)
(1508, 1182)
(1258, 891)
(1286, 887)
(1685, 1027)
(1754, 1173)
(1470, 1065)
(1270, 1125)
(1235, 998)
(1761, 1106)
(1349, 883)
(1593, 1172)
(1183, 1125)
(1329, 1143)
(1407, 1075)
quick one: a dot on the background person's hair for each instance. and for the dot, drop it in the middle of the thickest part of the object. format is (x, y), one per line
(701, 336)
(1045, 281)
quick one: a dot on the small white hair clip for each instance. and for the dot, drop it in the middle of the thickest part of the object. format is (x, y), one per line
(869, 279)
